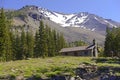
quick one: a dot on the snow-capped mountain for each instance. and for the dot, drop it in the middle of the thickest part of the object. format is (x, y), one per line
(82, 20)
(77, 26)
(64, 19)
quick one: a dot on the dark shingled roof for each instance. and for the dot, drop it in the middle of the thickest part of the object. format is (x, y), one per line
(76, 48)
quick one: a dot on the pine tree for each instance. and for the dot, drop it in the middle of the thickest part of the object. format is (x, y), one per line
(111, 42)
(58, 47)
(117, 43)
(30, 44)
(12, 39)
(17, 47)
(63, 42)
(48, 31)
(23, 44)
(48, 42)
(5, 42)
(55, 41)
(52, 44)
(107, 42)
(60, 42)
(41, 45)
(36, 48)
(43, 40)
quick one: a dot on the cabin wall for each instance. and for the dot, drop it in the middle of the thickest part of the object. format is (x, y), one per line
(78, 53)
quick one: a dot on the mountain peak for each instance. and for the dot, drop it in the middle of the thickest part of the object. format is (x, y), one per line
(31, 6)
(83, 20)
(75, 26)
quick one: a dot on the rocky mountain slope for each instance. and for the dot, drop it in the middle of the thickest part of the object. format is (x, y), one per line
(76, 26)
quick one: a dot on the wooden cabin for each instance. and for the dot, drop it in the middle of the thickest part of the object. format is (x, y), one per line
(90, 51)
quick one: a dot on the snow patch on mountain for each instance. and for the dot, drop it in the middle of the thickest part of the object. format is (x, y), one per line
(96, 18)
(93, 29)
(64, 19)
(77, 20)
(73, 20)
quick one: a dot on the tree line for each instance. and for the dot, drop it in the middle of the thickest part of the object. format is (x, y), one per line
(76, 43)
(16, 45)
(112, 42)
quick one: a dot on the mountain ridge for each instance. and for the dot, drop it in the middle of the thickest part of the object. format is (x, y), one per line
(75, 19)
(80, 26)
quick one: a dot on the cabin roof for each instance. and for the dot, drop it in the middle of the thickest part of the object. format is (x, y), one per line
(76, 48)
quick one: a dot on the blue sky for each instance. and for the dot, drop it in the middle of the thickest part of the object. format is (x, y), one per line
(105, 8)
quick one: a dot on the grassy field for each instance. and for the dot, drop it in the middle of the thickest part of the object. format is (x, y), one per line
(49, 66)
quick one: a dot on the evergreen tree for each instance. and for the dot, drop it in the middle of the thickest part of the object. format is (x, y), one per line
(42, 42)
(62, 41)
(55, 41)
(58, 47)
(23, 44)
(36, 48)
(107, 47)
(17, 47)
(81, 43)
(5, 42)
(49, 40)
(30, 44)
(112, 42)
(12, 39)
(51, 46)
(117, 43)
